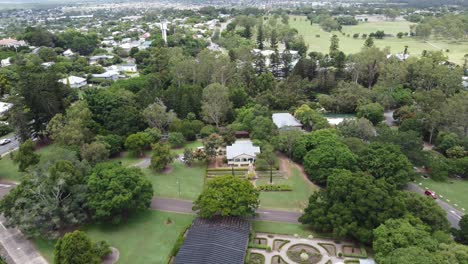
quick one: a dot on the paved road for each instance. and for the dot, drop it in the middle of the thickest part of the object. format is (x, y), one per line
(453, 215)
(8, 147)
(181, 206)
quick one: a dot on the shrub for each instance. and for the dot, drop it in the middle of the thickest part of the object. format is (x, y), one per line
(259, 246)
(5, 130)
(363, 253)
(176, 139)
(274, 188)
(102, 248)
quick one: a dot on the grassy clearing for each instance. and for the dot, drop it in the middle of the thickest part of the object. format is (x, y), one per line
(453, 191)
(294, 200)
(284, 229)
(351, 45)
(191, 145)
(190, 180)
(143, 238)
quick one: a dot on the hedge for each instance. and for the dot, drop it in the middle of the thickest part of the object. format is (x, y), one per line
(259, 246)
(274, 188)
(356, 255)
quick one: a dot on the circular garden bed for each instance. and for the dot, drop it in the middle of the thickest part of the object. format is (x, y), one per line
(256, 258)
(304, 254)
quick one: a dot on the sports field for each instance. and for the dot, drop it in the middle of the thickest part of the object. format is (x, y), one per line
(319, 40)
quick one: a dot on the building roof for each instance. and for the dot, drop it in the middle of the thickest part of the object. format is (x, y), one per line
(73, 80)
(5, 107)
(285, 120)
(213, 241)
(242, 147)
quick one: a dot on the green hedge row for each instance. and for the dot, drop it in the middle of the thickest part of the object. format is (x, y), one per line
(355, 255)
(177, 244)
(259, 246)
(274, 188)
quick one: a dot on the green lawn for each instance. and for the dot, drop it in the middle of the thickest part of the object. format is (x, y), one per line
(294, 200)
(351, 45)
(191, 145)
(453, 190)
(143, 238)
(189, 179)
(285, 229)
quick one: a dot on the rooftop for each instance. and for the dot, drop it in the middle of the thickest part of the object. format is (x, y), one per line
(242, 147)
(213, 241)
(285, 120)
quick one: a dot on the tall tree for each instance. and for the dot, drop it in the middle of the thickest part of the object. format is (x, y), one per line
(26, 157)
(227, 196)
(334, 45)
(158, 116)
(75, 248)
(260, 37)
(216, 104)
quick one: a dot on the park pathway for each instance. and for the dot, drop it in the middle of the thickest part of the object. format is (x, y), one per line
(185, 207)
(19, 249)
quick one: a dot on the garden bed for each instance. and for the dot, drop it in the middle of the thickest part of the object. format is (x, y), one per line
(330, 248)
(256, 258)
(304, 254)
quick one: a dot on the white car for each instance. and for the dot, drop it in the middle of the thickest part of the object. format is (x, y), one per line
(4, 141)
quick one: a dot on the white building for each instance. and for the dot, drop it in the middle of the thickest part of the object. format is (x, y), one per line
(4, 107)
(242, 152)
(6, 62)
(74, 81)
(95, 59)
(108, 75)
(286, 121)
(68, 53)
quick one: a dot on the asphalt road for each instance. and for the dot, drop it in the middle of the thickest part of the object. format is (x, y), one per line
(14, 144)
(453, 215)
(181, 206)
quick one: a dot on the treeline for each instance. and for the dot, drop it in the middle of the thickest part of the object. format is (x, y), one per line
(450, 26)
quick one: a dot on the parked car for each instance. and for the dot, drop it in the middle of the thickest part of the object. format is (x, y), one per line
(431, 194)
(4, 141)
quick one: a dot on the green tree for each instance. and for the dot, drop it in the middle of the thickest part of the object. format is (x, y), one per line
(26, 157)
(369, 42)
(267, 157)
(73, 128)
(461, 236)
(322, 160)
(401, 233)
(359, 128)
(95, 152)
(116, 191)
(352, 206)
(138, 142)
(176, 139)
(286, 140)
(373, 112)
(188, 157)
(334, 46)
(161, 157)
(50, 199)
(227, 196)
(427, 210)
(158, 116)
(216, 104)
(212, 143)
(310, 118)
(386, 161)
(75, 248)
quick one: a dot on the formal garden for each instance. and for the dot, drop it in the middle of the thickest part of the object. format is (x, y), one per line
(266, 248)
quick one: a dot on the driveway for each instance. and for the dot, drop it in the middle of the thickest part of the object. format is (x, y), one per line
(185, 207)
(453, 215)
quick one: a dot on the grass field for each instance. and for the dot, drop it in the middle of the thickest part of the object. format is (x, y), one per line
(351, 45)
(190, 181)
(294, 200)
(143, 238)
(452, 191)
(285, 229)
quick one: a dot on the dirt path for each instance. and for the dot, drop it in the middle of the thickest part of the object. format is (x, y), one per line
(286, 166)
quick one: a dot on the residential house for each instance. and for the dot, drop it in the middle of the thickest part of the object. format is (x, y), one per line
(286, 121)
(241, 153)
(68, 53)
(95, 59)
(215, 240)
(108, 75)
(6, 62)
(12, 43)
(4, 107)
(74, 81)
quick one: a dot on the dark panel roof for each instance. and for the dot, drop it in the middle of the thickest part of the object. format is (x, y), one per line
(214, 241)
